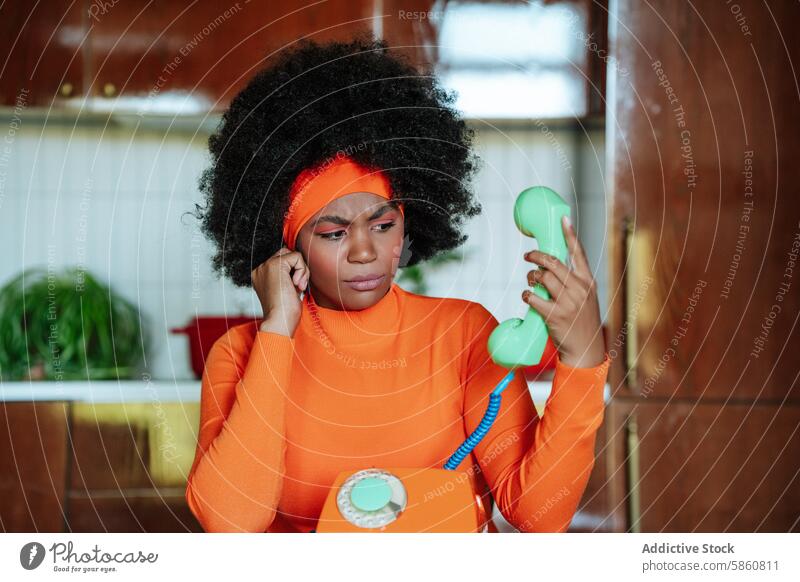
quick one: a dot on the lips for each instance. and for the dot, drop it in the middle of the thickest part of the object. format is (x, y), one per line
(366, 282)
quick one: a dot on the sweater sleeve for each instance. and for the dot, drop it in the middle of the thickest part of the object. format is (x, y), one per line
(536, 467)
(236, 478)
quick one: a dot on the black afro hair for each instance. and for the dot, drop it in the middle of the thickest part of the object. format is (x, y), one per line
(320, 100)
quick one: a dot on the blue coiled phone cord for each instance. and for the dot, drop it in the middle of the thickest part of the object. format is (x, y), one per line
(484, 426)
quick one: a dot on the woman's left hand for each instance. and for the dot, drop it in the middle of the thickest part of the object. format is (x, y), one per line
(573, 313)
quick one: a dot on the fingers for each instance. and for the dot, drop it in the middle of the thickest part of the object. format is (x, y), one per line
(293, 261)
(566, 286)
(568, 277)
(300, 279)
(551, 263)
(545, 308)
(577, 255)
(546, 278)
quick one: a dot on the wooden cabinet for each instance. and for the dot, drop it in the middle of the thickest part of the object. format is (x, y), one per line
(695, 466)
(129, 466)
(43, 52)
(179, 58)
(705, 211)
(705, 237)
(79, 467)
(202, 54)
(34, 463)
(173, 57)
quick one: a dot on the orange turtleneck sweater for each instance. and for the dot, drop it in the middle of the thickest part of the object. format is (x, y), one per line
(399, 384)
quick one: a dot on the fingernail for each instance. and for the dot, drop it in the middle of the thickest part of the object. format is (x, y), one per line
(568, 221)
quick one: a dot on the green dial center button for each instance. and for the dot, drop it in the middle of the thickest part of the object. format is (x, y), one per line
(370, 494)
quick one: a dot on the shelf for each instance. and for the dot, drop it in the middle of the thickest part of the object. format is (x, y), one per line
(102, 391)
(157, 390)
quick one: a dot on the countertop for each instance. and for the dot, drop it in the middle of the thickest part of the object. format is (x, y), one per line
(147, 391)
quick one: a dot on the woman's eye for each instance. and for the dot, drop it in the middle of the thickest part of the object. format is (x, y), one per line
(331, 235)
(335, 235)
(388, 225)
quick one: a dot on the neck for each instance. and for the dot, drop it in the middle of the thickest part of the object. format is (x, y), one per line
(379, 321)
(322, 300)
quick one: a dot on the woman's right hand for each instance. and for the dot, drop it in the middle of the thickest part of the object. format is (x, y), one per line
(278, 288)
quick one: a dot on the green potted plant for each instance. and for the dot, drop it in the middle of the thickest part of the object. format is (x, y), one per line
(413, 278)
(66, 325)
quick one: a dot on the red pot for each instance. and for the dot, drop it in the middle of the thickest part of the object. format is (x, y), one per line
(203, 331)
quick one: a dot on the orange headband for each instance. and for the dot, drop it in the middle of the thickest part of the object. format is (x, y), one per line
(315, 187)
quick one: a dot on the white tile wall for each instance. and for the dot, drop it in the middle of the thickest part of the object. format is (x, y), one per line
(136, 184)
(515, 159)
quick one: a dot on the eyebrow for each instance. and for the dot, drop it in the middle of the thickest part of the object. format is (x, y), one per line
(344, 222)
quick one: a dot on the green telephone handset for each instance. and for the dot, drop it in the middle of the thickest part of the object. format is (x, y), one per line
(521, 342)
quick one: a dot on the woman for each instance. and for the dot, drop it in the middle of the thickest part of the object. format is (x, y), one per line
(323, 166)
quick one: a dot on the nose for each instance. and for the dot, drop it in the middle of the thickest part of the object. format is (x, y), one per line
(361, 249)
